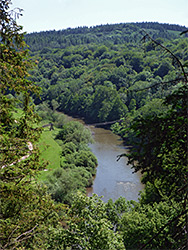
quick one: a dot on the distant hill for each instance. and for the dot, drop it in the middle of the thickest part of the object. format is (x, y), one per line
(94, 72)
(106, 34)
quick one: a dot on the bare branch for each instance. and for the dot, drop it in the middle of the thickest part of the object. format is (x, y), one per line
(27, 232)
(10, 236)
(170, 52)
(26, 235)
(156, 84)
(183, 32)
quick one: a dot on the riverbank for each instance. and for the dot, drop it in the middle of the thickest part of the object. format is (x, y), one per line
(113, 178)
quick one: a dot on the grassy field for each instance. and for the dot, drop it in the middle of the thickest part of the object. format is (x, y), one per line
(50, 150)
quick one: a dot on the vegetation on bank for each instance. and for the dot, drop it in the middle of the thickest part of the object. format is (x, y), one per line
(29, 216)
(71, 164)
(77, 163)
(63, 146)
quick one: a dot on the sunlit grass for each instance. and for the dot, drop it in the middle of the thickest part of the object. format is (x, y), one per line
(50, 151)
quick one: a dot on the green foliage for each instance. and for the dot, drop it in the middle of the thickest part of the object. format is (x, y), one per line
(141, 223)
(68, 148)
(83, 158)
(163, 69)
(74, 132)
(62, 184)
(25, 205)
(147, 226)
(78, 163)
(161, 152)
(101, 34)
(88, 226)
(95, 79)
(48, 114)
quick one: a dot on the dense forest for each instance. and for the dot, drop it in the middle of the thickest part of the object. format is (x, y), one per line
(136, 73)
(96, 79)
(103, 34)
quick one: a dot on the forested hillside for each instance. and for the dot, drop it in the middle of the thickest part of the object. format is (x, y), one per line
(103, 34)
(102, 73)
(93, 72)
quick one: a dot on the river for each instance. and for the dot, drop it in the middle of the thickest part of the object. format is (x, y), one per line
(113, 178)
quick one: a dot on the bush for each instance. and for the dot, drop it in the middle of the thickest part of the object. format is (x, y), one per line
(62, 184)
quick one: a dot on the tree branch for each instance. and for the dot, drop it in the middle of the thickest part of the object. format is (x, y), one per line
(155, 84)
(27, 232)
(166, 49)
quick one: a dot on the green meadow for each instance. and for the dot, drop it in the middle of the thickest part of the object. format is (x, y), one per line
(50, 151)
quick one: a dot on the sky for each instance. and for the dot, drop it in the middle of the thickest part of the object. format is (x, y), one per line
(45, 15)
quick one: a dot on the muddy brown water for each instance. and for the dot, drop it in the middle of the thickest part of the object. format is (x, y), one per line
(113, 178)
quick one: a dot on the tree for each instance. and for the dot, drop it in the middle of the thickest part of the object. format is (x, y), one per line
(163, 69)
(104, 98)
(160, 152)
(141, 222)
(88, 227)
(161, 149)
(74, 132)
(24, 203)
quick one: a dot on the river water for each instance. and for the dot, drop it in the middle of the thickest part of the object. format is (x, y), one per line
(113, 178)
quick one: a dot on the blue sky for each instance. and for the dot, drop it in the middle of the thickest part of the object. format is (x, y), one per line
(42, 15)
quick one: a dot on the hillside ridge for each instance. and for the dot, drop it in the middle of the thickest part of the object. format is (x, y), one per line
(109, 33)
